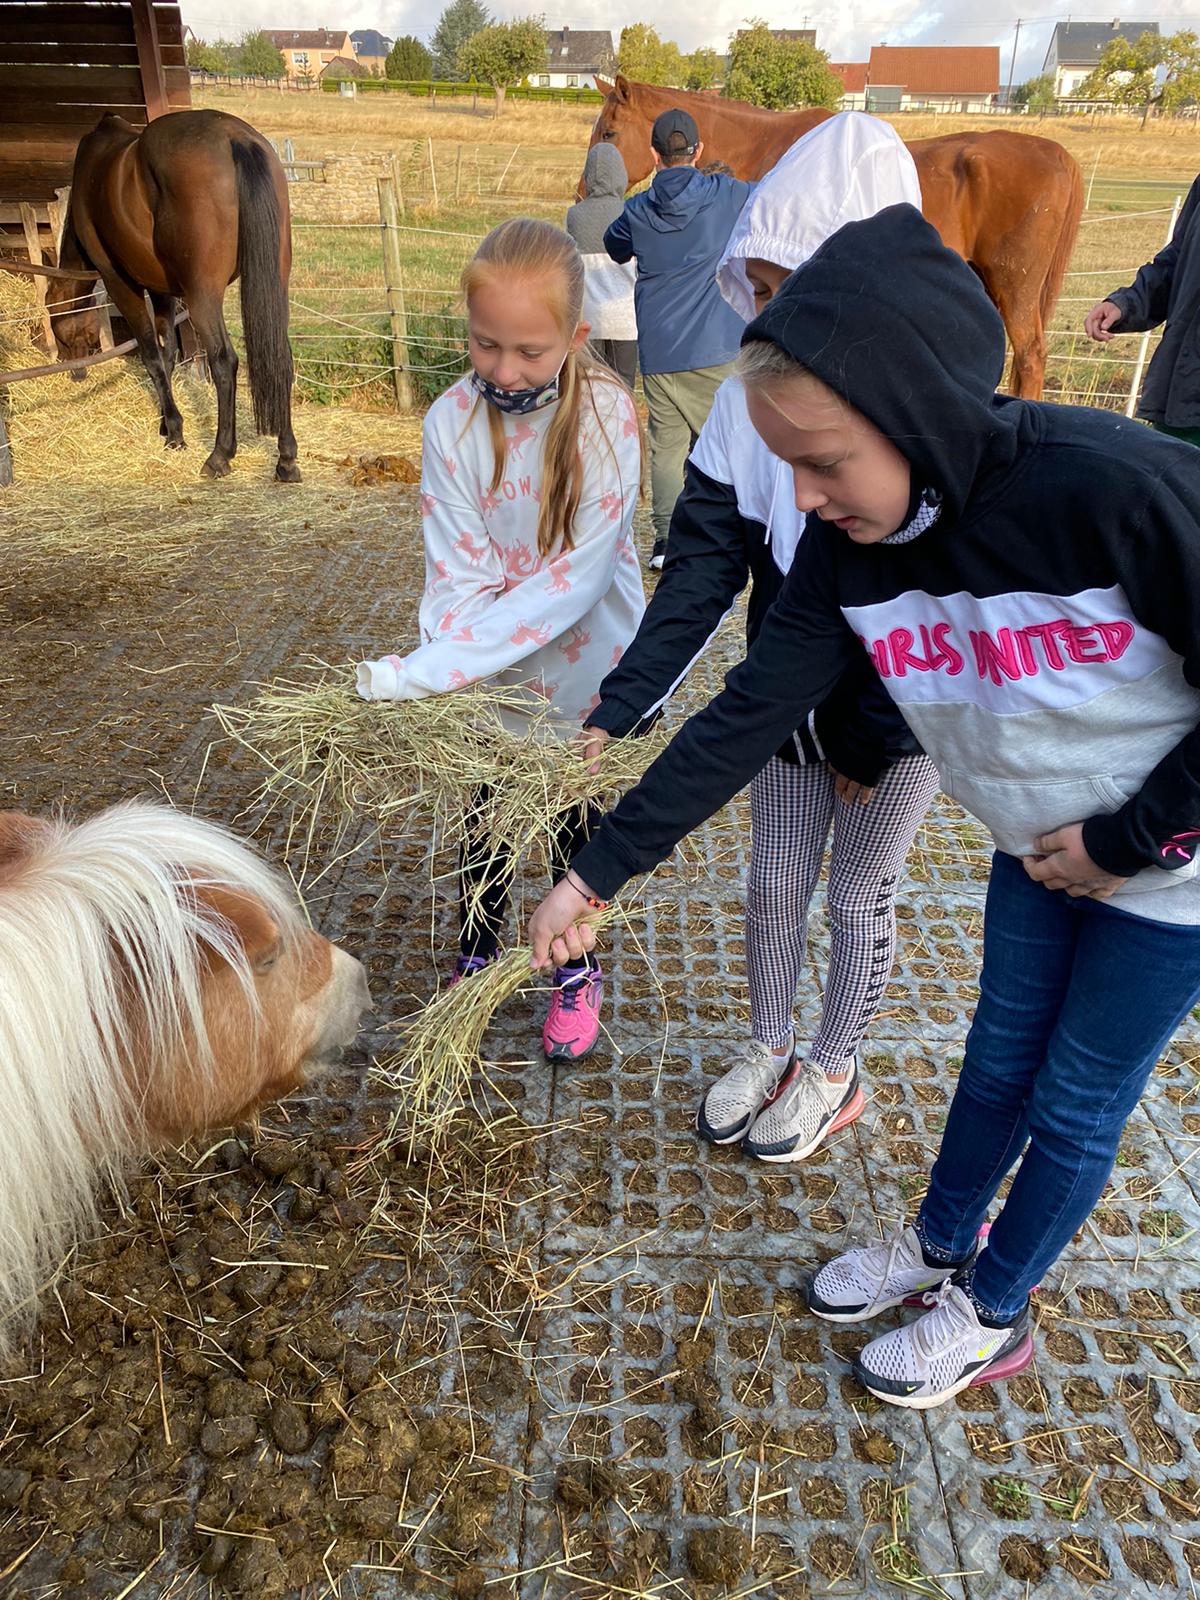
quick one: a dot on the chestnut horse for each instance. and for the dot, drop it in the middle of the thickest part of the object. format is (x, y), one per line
(177, 211)
(1009, 203)
(158, 979)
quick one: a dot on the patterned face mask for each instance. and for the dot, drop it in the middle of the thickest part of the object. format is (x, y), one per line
(518, 402)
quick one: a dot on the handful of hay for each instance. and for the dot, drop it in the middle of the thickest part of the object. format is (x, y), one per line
(457, 757)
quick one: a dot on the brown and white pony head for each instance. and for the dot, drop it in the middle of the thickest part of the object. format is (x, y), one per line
(157, 979)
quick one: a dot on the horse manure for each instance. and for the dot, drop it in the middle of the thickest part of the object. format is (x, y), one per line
(216, 1555)
(289, 1428)
(277, 1160)
(586, 1485)
(13, 1484)
(717, 1555)
(228, 1436)
(381, 469)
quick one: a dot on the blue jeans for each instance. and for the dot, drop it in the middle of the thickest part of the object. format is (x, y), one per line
(1077, 1001)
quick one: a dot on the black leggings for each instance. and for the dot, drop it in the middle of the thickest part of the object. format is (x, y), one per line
(486, 878)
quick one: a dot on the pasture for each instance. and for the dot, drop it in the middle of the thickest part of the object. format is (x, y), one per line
(565, 1355)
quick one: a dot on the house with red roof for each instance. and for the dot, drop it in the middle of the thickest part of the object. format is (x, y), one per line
(922, 78)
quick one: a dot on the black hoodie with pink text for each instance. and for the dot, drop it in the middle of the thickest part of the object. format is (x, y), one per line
(1041, 638)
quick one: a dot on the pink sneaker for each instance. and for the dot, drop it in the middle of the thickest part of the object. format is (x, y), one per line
(574, 1022)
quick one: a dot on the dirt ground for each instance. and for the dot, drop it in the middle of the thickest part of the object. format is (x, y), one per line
(568, 1356)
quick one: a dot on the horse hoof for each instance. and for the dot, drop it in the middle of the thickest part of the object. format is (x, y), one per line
(287, 472)
(175, 444)
(215, 467)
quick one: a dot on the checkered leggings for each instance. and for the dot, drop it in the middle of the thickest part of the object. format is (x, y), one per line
(791, 811)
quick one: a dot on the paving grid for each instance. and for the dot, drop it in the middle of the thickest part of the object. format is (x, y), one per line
(675, 1346)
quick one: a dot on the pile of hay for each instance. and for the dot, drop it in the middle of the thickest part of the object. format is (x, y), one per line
(482, 763)
(102, 428)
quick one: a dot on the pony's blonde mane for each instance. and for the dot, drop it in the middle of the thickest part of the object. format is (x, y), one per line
(103, 944)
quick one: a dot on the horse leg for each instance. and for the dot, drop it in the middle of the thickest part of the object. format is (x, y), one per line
(130, 301)
(286, 470)
(1018, 301)
(208, 319)
(164, 328)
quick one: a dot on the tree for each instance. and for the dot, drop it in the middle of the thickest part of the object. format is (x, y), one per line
(216, 57)
(646, 58)
(257, 57)
(1152, 70)
(457, 23)
(409, 61)
(504, 54)
(701, 69)
(1037, 94)
(779, 73)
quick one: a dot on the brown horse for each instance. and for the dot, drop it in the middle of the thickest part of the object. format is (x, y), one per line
(1009, 203)
(177, 211)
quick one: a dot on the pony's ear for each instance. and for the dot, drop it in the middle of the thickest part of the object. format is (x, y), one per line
(257, 931)
(621, 88)
(17, 835)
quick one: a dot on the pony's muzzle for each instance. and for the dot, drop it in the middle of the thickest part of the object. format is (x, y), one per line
(347, 999)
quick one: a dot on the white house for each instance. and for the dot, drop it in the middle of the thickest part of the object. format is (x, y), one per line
(1076, 47)
(574, 57)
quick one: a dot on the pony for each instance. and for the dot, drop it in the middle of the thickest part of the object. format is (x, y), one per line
(157, 979)
(176, 211)
(1009, 203)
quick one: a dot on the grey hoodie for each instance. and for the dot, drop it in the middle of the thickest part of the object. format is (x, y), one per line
(606, 179)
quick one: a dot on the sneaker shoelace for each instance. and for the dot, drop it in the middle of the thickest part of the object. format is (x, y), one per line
(946, 1323)
(888, 1251)
(570, 989)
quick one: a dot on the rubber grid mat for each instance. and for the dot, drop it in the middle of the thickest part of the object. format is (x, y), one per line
(666, 1419)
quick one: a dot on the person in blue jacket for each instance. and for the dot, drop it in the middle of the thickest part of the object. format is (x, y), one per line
(1025, 580)
(687, 336)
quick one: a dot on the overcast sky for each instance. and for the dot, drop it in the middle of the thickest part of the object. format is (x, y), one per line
(847, 30)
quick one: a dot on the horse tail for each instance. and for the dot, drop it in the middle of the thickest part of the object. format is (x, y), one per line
(1061, 259)
(263, 291)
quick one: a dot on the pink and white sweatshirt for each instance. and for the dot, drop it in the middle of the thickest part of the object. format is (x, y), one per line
(493, 609)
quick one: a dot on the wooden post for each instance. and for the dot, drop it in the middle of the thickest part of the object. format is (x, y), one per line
(394, 172)
(33, 244)
(433, 174)
(104, 316)
(393, 277)
(154, 78)
(458, 175)
(504, 174)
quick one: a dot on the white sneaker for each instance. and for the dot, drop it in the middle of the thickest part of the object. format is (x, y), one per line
(947, 1349)
(805, 1109)
(861, 1283)
(736, 1098)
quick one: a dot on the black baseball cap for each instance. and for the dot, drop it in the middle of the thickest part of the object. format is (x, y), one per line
(674, 133)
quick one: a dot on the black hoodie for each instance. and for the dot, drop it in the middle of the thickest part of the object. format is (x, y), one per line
(1040, 638)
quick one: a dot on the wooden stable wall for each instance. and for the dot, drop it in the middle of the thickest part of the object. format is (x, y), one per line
(63, 64)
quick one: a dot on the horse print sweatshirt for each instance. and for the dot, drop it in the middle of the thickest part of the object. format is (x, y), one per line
(1040, 637)
(495, 609)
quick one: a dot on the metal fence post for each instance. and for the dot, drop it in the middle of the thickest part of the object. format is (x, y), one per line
(393, 277)
(1143, 348)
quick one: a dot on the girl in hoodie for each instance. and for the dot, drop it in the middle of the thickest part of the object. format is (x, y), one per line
(1034, 617)
(530, 472)
(607, 285)
(736, 521)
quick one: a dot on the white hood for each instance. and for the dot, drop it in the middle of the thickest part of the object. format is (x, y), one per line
(845, 170)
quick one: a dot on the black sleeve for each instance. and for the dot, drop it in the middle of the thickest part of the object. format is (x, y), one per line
(706, 569)
(803, 648)
(861, 730)
(618, 239)
(1145, 302)
(1159, 569)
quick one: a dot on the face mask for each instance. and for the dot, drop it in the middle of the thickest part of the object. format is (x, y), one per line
(519, 402)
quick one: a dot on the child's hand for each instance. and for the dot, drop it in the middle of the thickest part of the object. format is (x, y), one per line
(1063, 863)
(559, 929)
(594, 740)
(1101, 320)
(849, 790)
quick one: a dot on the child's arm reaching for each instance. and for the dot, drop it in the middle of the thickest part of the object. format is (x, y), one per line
(482, 628)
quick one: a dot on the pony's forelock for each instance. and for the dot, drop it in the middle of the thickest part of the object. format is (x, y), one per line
(104, 930)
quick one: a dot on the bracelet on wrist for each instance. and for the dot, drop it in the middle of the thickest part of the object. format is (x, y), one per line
(595, 903)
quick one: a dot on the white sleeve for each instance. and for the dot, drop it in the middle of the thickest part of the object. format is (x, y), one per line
(487, 630)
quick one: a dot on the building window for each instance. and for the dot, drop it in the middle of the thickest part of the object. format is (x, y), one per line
(573, 80)
(300, 60)
(544, 81)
